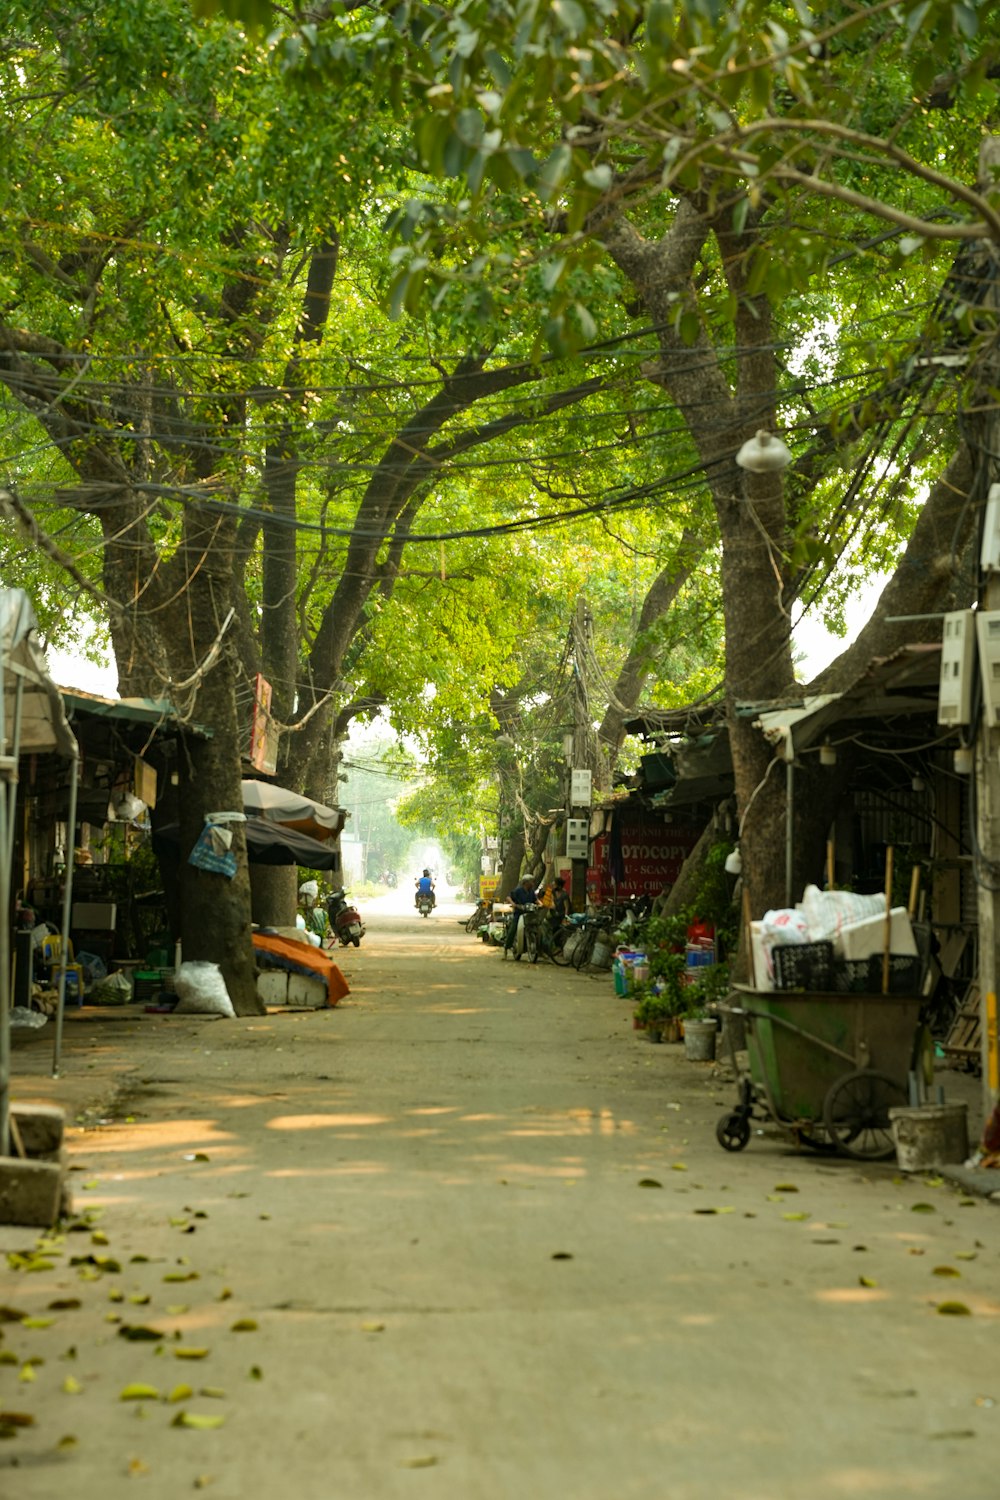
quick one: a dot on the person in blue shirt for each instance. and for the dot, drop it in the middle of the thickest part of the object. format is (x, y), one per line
(522, 896)
(425, 887)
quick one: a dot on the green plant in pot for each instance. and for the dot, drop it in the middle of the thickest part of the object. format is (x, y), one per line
(706, 989)
(660, 1001)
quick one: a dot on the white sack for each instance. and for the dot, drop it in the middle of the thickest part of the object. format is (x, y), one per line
(201, 991)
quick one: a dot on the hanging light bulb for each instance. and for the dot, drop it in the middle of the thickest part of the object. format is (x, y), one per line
(734, 862)
(827, 754)
(764, 454)
(962, 760)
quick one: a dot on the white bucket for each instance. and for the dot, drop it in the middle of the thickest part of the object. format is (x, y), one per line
(930, 1135)
(699, 1040)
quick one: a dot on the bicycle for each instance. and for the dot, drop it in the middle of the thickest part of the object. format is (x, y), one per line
(541, 939)
(480, 917)
(591, 928)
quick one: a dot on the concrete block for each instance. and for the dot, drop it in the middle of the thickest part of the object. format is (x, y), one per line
(41, 1128)
(272, 986)
(303, 990)
(31, 1192)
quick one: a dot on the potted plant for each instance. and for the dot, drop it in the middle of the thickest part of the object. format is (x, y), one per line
(653, 1012)
(661, 998)
(701, 997)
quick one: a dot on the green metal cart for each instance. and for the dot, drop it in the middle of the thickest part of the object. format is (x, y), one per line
(825, 1066)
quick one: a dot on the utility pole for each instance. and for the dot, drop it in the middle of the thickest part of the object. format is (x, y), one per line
(988, 738)
(579, 780)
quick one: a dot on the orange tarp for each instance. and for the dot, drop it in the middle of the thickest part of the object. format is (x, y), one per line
(304, 957)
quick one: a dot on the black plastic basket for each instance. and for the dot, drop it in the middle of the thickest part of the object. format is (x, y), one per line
(863, 976)
(803, 966)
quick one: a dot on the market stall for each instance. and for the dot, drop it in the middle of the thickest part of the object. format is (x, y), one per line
(32, 721)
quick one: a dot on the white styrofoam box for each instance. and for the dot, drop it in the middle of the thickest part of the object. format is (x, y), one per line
(763, 978)
(305, 990)
(272, 986)
(94, 916)
(958, 664)
(988, 630)
(863, 939)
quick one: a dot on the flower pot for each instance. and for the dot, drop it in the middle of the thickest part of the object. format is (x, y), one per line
(654, 1033)
(672, 1030)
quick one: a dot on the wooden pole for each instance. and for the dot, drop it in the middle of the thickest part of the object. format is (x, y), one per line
(829, 865)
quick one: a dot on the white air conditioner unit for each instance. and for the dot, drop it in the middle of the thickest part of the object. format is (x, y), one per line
(958, 663)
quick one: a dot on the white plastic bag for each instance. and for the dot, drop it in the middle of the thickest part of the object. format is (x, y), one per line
(20, 1017)
(785, 924)
(828, 911)
(201, 991)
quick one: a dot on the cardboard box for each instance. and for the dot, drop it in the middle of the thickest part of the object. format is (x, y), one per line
(99, 916)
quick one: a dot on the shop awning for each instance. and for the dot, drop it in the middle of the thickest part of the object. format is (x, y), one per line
(276, 804)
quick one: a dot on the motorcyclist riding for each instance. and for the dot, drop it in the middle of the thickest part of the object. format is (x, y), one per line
(425, 887)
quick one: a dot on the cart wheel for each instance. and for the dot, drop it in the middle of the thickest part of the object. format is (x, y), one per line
(733, 1131)
(815, 1140)
(856, 1114)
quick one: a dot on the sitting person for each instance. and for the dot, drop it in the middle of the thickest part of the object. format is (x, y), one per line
(523, 896)
(562, 906)
(425, 887)
(313, 918)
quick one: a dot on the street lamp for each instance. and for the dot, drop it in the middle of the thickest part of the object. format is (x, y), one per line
(764, 454)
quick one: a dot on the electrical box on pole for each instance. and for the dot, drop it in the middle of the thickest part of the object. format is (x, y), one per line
(581, 788)
(958, 664)
(577, 838)
(989, 553)
(988, 630)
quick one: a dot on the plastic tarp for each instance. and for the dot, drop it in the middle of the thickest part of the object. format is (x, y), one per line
(268, 844)
(43, 724)
(262, 799)
(32, 720)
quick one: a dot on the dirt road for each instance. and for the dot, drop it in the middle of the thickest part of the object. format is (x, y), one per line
(468, 1237)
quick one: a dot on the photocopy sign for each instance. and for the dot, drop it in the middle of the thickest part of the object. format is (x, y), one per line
(652, 854)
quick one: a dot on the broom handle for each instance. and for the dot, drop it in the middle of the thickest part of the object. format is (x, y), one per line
(888, 920)
(914, 891)
(829, 865)
(749, 937)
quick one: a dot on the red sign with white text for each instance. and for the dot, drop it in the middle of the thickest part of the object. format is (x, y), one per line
(653, 853)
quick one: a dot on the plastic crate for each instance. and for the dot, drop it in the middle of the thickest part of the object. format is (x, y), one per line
(863, 976)
(803, 966)
(146, 984)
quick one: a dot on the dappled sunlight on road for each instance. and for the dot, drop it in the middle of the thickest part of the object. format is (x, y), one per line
(324, 1122)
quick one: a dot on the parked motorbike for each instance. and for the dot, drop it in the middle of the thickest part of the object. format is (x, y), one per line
(425, 904)
(345, 919)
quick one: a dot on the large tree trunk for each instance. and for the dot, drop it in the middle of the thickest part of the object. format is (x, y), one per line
(214, 910)
(749, 508)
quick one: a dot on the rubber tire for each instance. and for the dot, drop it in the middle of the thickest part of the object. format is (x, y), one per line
(531, 945)
(473, 922)
(356, 942)
(733, 1131)
(583, 950)
(856, 1114)
(558, 953)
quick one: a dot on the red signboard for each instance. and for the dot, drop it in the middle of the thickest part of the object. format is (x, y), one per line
(653, 853)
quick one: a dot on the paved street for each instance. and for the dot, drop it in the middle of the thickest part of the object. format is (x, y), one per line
(483, 1245)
